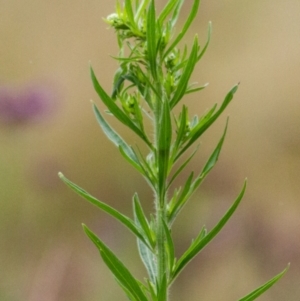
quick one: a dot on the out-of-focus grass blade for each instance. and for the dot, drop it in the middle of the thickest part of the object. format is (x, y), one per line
(126, 221)
(117, 267)
(259, 291)
(186, 26)
(192, 252)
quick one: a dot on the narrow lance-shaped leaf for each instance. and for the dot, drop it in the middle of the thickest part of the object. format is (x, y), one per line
(151, 38)
(192, 187)
(186, 26)
(117, 267)
(183, 165)
(115, 110)
(173, 211)
(185, 77)
(148, 259)
(166, 11)
(129, 11)
(207, 42)
(196, 248)
(126, 221)
(164, 143)
(140, 215)
(215, 155)
(140, 9)
(259, 291)
(170, 248)
(176, 13)
(162, 289)
(195, 134)
(113, 136)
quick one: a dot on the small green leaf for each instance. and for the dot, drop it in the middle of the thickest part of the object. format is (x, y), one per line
(162, 289)
(201, 243)
(143, 222)
(126, 221)
(182, 130)
(141, 9)
(205, 125)
(259, 291)
(129, 12)
(152, 290)
(207, 42)
(185, 77)
(117, 267)
(176, 13)
(127, 157)
(113, 136)
(193, 90)
(181, 168)
(186, 26)
(166, 11)
(164, 142)
(115, 110)
(183, 198)
(215, 155)
(148, 259)
(169, 247)
(151, 38)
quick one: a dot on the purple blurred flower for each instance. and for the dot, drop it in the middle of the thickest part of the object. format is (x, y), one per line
(24, 105)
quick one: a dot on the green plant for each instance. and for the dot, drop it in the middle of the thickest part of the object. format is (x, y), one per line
(153, 77)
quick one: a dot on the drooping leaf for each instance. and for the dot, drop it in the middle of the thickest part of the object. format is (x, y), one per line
(126, 221)
(117, 267)
(259, 291)
(192, 252)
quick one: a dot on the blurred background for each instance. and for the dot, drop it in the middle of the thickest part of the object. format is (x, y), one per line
(47, 125)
